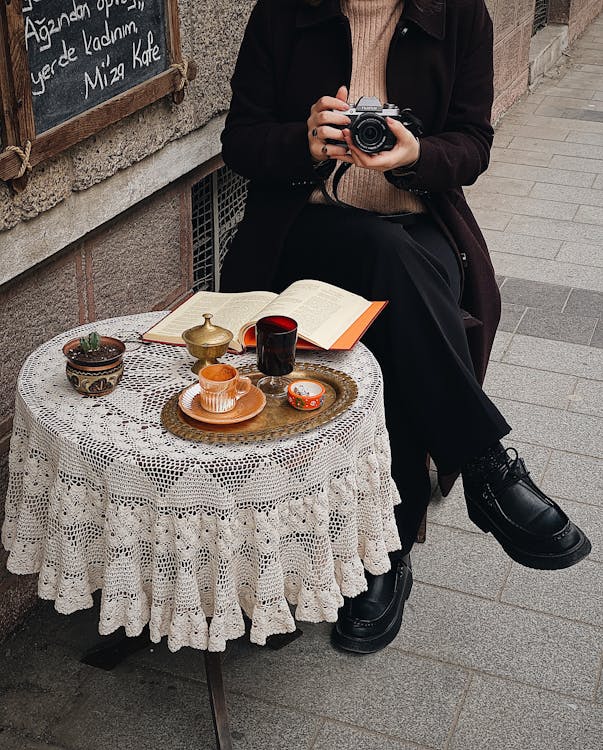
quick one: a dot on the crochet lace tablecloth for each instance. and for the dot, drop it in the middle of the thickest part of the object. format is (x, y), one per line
(177, 533)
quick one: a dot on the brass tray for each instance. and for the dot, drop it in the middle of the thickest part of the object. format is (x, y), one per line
(277, 420)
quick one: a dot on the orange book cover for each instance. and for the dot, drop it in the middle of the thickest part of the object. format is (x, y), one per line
(347, 339)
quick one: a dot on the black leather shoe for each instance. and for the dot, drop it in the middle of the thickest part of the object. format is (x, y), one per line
(533, 530)
(369, 621)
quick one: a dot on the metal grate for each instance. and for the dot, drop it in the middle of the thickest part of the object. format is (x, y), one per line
(218, 204)
(541, 15)
(203, 253)
(231, 190)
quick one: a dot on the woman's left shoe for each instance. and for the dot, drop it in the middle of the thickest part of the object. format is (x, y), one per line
(370, 621)
(532, 529)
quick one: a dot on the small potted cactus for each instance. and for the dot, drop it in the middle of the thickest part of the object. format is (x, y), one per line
(94, 363)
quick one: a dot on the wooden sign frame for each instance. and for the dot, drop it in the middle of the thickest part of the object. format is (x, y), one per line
(17, 126)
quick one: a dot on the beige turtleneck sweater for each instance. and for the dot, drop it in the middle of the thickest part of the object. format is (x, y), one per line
(372, 23)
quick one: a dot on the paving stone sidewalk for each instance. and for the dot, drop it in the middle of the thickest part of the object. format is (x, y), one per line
(492, 656)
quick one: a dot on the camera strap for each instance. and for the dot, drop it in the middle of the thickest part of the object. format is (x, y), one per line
(334, 200)
(337, 175)
(406, 217)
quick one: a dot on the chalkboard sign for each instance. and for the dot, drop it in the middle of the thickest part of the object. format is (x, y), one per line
(69, 68)
(83, 52)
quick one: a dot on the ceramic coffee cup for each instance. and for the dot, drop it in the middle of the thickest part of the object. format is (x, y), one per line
(221, 387)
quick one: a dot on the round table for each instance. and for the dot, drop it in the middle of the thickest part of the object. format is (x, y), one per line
(189, 536)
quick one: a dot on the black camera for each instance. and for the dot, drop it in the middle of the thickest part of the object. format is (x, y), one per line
(368, 128)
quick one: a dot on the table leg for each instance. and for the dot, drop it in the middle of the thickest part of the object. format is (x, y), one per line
(217, 699)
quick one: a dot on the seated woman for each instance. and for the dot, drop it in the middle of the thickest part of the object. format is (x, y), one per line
(399, 229)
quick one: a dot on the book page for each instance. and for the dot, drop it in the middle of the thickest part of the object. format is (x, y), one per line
(323, 312)
(231, 311)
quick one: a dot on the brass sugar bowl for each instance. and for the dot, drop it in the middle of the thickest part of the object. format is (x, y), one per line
(206, 343)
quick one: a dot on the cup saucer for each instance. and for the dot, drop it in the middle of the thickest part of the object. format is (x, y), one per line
(247, 406)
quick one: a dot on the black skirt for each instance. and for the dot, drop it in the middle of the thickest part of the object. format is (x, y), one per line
(433, 402)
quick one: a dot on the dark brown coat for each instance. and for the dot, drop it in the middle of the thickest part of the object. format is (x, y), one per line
(439, 65)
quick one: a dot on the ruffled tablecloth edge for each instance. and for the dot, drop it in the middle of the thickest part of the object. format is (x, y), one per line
(192, 628)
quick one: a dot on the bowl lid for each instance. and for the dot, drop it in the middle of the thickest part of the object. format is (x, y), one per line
(207, 334)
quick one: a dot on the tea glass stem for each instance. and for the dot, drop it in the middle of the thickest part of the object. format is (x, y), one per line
(274, 385)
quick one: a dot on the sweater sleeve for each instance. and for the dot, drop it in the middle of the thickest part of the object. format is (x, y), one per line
(459, 154)
(255, 143)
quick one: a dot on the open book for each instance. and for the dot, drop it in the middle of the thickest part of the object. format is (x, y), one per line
(327, 317)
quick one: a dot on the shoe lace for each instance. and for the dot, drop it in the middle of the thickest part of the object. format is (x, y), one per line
(516, 472)
(517, 467)
(501, 467)
(507, 469)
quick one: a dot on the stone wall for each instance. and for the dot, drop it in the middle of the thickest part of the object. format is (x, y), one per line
(513, 21)
(582, 13)
(576, 14)
(211, 32)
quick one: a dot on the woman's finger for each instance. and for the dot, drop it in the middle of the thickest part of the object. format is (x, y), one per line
(325, 131)
(342, 93)
(329, 102)
(405, 140)
(381, 161)
(362, 159)
(402, 134)
(329, 151)
(328, 117)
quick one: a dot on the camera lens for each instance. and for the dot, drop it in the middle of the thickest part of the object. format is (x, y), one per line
(369, 133)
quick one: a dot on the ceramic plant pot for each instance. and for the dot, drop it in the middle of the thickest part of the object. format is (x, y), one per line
(95, 373)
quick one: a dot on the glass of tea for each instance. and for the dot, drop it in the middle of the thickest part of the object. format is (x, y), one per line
(276, 336)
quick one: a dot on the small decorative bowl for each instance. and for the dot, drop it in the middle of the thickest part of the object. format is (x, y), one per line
(96, 381)
(306, 395)
(95, 376)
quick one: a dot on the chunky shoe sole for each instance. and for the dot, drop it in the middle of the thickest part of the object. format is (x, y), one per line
(542, 561)
(384, 638)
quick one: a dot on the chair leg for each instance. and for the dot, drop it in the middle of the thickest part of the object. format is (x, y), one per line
(422, 530)
(217, 699)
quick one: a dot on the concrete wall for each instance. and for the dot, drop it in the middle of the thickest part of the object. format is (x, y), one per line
(96, 278)
(513, 21)
(115, 211)
(512, 32)
(576, 14)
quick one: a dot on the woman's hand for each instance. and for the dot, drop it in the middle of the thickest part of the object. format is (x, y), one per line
(320, 122)
(404, 153)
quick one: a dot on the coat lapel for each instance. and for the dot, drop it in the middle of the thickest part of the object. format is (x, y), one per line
(310, 15)
(432, 19)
